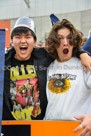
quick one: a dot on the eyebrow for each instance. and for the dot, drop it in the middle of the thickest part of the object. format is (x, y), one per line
(63, 35)
(29, 34)
(19, 34)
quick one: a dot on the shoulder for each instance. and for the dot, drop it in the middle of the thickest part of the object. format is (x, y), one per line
(75, 61)
(9, 55)
(52, 65)
(41, 53)
(39, 50)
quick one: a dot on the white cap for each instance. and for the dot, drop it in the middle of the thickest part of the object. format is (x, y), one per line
(25, 22)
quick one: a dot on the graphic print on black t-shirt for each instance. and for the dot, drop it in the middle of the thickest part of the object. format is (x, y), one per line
(24, 92)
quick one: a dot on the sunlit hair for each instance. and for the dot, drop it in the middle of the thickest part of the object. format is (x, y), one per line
(21, 30)
(53, 42)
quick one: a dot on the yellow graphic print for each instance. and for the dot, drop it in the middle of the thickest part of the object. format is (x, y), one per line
(15, 75)
(25, 114)
(59, 85)
(24, 92)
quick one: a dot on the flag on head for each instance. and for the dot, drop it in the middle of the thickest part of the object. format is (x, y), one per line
(87, 45)
(54, 19)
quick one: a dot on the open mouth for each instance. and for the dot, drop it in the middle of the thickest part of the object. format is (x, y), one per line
(65, 51)
(23, 49)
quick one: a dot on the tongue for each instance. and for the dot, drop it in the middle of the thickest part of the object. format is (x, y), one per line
(23, 51)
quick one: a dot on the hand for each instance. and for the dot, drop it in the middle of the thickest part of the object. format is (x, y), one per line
(86, 125)
(86, 61)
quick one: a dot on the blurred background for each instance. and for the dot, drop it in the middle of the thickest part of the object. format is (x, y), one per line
(77, 11)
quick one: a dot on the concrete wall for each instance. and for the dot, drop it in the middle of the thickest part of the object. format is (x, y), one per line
(77, 11)
(10, 9)
(81, 20)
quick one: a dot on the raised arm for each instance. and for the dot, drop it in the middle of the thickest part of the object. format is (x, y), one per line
(85, 59)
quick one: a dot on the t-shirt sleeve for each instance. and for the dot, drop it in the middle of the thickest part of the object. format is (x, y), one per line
(87, 78)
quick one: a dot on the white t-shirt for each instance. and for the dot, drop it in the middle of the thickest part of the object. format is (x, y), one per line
(68, 90)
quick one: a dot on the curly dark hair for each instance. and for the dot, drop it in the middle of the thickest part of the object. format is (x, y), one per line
(52, 42)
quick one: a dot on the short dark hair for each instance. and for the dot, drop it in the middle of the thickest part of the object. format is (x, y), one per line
(20, 30)
(53, 42)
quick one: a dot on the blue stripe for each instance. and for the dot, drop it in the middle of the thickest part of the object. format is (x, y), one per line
(2, 54)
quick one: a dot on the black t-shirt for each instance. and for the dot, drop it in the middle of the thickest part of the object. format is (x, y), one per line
(24, 90)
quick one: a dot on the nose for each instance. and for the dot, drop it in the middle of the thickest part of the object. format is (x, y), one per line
(23, 39)
(65, 41)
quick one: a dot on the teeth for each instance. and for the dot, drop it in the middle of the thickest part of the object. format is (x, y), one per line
(23, 47)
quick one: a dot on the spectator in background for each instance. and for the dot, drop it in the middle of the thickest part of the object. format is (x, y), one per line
(41, 44)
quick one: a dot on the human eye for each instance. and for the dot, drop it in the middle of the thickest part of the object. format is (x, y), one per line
(17, 36)
(60, 38)
(69, 37)
(28, 36)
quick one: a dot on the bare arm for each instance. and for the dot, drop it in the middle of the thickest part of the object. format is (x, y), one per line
(86, 61)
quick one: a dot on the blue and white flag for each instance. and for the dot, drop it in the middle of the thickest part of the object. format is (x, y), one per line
(2, 56)
(54, 19)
